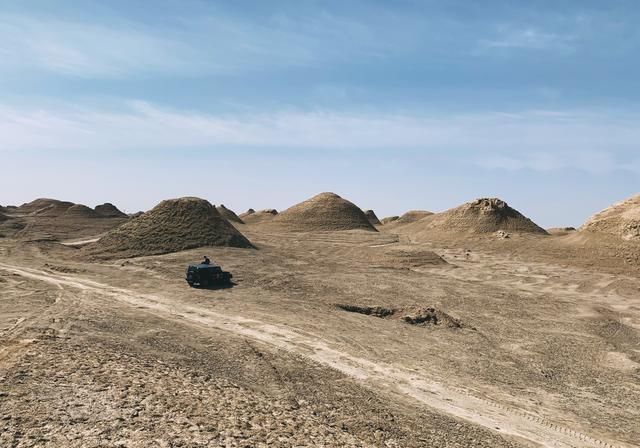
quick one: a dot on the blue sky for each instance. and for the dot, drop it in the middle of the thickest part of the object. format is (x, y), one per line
(394, 105)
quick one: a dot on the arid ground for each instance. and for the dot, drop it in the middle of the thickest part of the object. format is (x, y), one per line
(330, 339)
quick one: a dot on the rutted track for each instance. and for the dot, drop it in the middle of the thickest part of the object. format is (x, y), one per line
(518, 423)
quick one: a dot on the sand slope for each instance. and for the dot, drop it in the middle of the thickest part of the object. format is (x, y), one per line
(412, 216)
(109, 210)
(621, 220)
(389, 219)
(228, 214)
(171, 226)
(371, 216)
(80, 211)
(253, 217)
(324, 212)
(44, 207)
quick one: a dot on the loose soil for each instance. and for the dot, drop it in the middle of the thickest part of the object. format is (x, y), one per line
(123, 353)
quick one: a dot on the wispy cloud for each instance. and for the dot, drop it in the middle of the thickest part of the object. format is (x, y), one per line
(590, 161)
(194, 45)
(513, 38)
(89, 50)
(535, 140)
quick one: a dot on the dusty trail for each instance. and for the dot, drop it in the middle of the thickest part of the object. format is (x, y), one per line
(525, 427)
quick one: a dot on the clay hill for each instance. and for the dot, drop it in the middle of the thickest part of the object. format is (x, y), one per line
(80, 211)
(323, 212)
(44, 206)
(228, 214)
(412, 216)
(171, 226)
(389, 219)
(620, 220)
(109, 210)
(371, 216)
(486, 215)
(255, 217)
(60, 220)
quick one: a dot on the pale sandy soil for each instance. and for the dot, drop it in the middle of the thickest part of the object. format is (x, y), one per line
(124, 353)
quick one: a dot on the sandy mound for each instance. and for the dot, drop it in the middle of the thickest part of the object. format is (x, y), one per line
(371, 216)
(324, 212)
(44, 207)
(258, 217)
(52, 210)
(79, 211)
(487, 215)
(108, 210)
(78, 221)
(389, 219)
(621, 220)
(171, 226)
(412, 216)
(247, 213)
(228, 214)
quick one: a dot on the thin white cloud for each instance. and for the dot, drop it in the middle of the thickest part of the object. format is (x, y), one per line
(193, 46)
(590, 161)
(513, 38)
(536, 140)
(89, 50)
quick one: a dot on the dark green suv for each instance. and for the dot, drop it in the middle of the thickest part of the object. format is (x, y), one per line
(207, 275)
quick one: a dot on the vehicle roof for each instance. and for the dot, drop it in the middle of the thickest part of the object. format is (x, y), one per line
(204, 266)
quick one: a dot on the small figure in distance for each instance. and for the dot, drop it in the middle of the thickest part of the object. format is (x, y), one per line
(206, 260)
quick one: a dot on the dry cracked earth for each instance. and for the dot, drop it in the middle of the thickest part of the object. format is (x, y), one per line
(325, 340)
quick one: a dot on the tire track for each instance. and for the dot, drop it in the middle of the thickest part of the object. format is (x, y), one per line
(459, 403)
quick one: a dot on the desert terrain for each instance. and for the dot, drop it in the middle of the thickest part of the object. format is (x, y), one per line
(472, 327)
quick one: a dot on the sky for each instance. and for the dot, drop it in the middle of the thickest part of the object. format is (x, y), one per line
(393, 105)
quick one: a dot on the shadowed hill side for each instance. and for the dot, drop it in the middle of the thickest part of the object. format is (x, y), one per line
(324, 212)
(371, 216)
(109, 210)
(620, 220)
(171, 226)
(487, 215)
(228, 214)
(80, 211)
